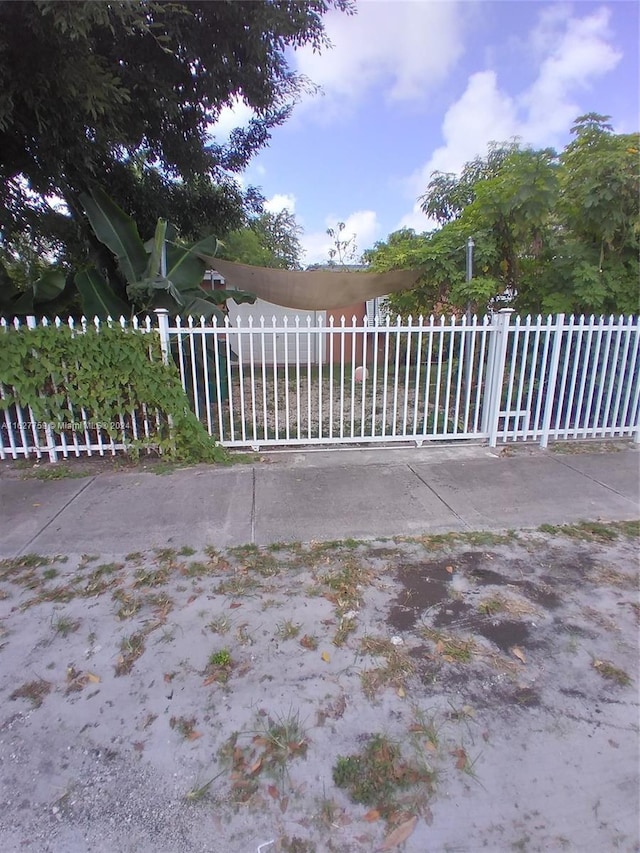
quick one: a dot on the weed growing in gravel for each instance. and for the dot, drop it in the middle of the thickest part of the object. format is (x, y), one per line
(272, 747)
(287, 630)
(219, 667)
(131, 648)
(220, 625)
(129, 603)
(64, 626)
(449, 648)
(397, 666)
(378, 775)
(239, 584)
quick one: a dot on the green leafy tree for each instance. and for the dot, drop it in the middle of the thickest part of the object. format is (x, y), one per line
(552, 233)
(269, 240)
(126, 95)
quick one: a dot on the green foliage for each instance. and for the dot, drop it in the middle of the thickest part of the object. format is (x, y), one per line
(552, 233)
(269, 240)
(127, 93)
(109, 374)
(162, 273)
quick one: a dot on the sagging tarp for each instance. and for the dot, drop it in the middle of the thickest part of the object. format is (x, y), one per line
(314, 290)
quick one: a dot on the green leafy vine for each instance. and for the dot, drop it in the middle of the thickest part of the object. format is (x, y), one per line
(106, 381)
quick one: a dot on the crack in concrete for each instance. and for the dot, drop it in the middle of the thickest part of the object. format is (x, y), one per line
(440, 498)
(556, 458)
(57, 515)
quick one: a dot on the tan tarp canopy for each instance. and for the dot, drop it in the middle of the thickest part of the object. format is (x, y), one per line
(315, 290)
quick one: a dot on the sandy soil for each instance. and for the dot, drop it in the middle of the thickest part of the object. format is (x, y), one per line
(170, 701)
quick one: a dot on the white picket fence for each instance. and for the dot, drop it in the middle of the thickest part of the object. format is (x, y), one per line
(277, 384)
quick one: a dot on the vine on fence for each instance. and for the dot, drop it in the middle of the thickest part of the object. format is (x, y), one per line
(108, 374)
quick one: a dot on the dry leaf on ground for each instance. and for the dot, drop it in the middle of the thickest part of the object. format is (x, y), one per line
(517, 652)
(399, 834)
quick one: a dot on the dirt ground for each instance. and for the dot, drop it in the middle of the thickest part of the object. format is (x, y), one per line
(450, 693)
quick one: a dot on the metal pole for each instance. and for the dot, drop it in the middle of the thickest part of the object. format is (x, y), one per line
(468, 378)
(469, 276)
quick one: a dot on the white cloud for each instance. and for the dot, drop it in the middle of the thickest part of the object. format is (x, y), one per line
(571, 52)
(406, 46)
(281, 201)
(238, 114)
(363, 225)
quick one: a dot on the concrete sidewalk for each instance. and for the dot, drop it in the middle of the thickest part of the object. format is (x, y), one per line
(319, 496)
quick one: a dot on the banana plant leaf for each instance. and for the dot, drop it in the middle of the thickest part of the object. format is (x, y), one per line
(98, 298)
(186, 265)
(117, 231)
(48, 286)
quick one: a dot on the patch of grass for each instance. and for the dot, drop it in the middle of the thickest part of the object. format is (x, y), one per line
(131, 648)
(256, 560)
(186, 551)
(64, 626)
(49, 574)
(220, 625)
(56, 472)
(611, 672)
(161, 604)
(101, 578)
(287, 630)
(151, 577)
(588, 531)
(165, 555)
(397, 666)
(219, 667)
(484, 538)
(34, 691)
(239, 584)
(346, 627)
(135, 557)
(272, 747)
(492, 605)
(449, 648)
(130, 604)
(378, 775)
(195, 569)
(425, 730)
(345, 584)
(506, 604)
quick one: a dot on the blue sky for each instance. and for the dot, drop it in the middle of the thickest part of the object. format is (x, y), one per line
(410, 86)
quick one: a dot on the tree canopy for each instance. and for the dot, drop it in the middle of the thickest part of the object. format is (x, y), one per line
(268, 240)
(552, 232)
(125, 95)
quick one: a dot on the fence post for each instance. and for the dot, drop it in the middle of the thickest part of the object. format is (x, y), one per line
(51, 443)
(163, 328)
(552, 379)
(497, 357)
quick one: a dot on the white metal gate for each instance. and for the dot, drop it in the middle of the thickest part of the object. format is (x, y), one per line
(534, 379)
